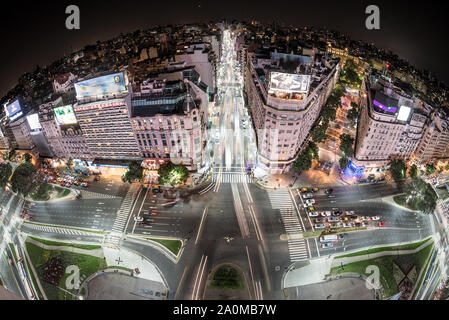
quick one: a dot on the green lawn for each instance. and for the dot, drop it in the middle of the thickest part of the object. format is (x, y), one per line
(67, 244)
(385, 265)
(87, 264)
(64, 227)
(227, 277)
(173, 245)
(410, 246)
(33, 279)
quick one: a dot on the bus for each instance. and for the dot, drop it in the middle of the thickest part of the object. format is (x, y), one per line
(329, 237)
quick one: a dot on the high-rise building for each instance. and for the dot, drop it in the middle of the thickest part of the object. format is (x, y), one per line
(285, 95)
(391, 122)
(435, 141)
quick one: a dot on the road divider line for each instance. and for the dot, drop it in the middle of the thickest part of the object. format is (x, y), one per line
(200, 229)
(252, 275)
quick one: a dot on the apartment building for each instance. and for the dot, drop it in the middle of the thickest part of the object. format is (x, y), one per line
(392, 122)
(169, 119)
(285, 95)
(435, 141)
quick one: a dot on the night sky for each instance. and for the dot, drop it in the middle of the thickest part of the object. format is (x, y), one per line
(33, 32)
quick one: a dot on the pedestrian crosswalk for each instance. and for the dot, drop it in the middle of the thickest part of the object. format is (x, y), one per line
(56, 230)
(96, 195)
(281, 200)
(232, 177)
(122, 215)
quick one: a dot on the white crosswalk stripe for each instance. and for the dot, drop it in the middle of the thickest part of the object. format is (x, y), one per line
(56, 229)
(96, 195)
(232, 177)
(122, 216)
(281, 200)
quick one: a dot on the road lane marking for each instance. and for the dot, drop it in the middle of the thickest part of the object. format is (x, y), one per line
(200, 229)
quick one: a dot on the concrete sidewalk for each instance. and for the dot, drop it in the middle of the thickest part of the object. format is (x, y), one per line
(129, 259)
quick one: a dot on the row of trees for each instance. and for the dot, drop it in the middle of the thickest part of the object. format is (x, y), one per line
(168, 173)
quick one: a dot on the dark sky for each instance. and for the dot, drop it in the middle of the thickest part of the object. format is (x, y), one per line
(33, 32)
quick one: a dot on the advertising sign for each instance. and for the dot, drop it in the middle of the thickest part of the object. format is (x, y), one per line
(64, 115)
(109, 84)
(288, 82)
(33, 121)
(404, 113)
(14, 110)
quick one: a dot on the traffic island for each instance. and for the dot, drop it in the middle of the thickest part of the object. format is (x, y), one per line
(227, 282)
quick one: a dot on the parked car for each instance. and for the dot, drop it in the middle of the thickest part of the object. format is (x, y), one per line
(329, 191)
(310, 201)
(307, 196)
(320, 220)
(138, 219)
(304, 190)
(366, 218)
(382, 224)
(337, 213)
(349, 213)
(333, 219)
(327, 245)
(375, 218)
(366, 224)
(319, 226)
(335, 225)
(313, 214)
(353, 218)
(357, 224)
(347, 225)
(315, 189)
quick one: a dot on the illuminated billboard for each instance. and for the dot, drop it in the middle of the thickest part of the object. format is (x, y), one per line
(110, 84)
(33, 121)
(385, 108)
(65, 115)
(404, 113)
(13, 110)
(289, 82)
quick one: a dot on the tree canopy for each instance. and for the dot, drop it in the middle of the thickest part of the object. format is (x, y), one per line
(421, 196)
(134, 172)
(413, 172)
(344, 161)
(173, 173)
(5, 173)
(397, 169)
(346, 145)
(304, 160)
(23, 178)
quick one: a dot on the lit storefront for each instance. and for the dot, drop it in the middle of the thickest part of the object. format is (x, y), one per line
(150, 171)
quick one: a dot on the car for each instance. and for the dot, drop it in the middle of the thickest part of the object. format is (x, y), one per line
(84, 184)
(310, 208)
(97, 178)
(310, 201)
(62, 184)
(349, 213)
(382, 224)
(319, 226)
(329, 191)
(138, 219)
(335, 225)
(333, 219)
(357, 224)
(347, 225)
(366, 224)
(157, 189)
(76, 183)
(307, 196)
(315, 189)
(365, 218)
(353, 218)
(327, 245)
(304, 190)
(68, 185)
(328, 213)
(375, 218)
(337, 213)
(320, 220)
(325, 213)
(313, 214)
(345, 219)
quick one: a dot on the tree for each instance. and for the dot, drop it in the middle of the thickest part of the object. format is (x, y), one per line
(344, 161)
(353, 113)
(413, 172)
(421, 196)
(313, 150)
(430, 168)
(12, 155)
(303, 162)
(27, 157)
(397, 169)
(23, 179)
(346, 142)
(173, 173)
(5, 173)
(134, 172)
(319, 132)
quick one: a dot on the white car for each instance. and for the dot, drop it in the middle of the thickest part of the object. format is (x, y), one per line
(349, 213)
(327, 245)
(366, 218)
(319, 226)
(347, 225)
(375, 218)
(138, 219)
(328, 213)
(313, 214)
